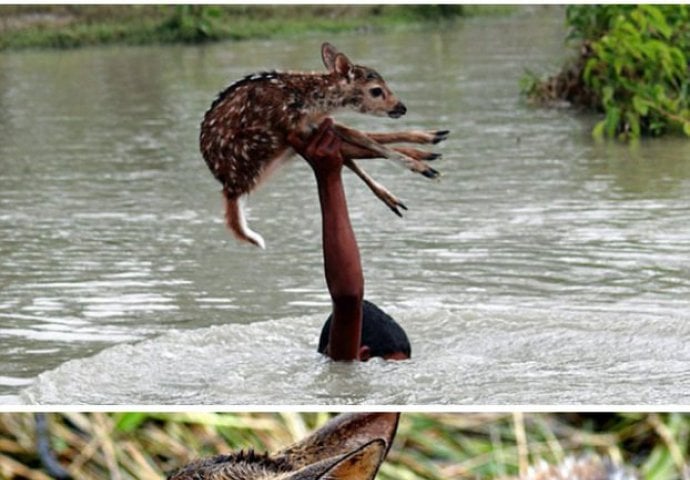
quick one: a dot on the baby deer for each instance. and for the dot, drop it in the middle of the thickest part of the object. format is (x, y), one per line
(244, 135)
(349, 447)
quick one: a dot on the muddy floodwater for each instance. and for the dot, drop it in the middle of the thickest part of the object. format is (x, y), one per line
(542, 268)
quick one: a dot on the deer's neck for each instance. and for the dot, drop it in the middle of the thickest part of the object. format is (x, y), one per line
(323, 93)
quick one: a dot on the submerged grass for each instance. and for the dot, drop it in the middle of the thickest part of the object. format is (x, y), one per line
(429, 446)
(66, 26)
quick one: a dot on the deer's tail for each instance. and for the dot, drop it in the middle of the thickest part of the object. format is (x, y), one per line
(234, 217)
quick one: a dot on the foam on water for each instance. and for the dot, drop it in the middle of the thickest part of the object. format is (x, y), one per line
(461, 357)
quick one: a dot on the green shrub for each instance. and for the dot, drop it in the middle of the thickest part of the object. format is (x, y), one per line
(632, 66)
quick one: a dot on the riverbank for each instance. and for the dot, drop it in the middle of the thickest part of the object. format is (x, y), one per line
(69, 26)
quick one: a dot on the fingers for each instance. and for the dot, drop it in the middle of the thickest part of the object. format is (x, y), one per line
(296, 141)
(330, 143)
(301, 145)
(324, 142)
(315, 142)
(326, 124)
(323, 134)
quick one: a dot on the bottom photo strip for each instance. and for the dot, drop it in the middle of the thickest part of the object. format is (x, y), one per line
(354, 445)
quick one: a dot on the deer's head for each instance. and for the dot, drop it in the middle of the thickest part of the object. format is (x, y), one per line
(367, 91)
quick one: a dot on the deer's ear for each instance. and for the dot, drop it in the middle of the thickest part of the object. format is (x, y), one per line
(342, 435)
(336, 61)
(360, 464)
(343, 66)
(328, 54)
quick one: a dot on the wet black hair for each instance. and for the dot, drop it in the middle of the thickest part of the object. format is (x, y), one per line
(383, 335)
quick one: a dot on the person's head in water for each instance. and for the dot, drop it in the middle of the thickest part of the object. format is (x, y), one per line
(381, 335)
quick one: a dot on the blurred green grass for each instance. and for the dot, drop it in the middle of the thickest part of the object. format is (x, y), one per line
(66, 26)
(429, 446)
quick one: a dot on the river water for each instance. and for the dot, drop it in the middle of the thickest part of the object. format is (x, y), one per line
(543, 268)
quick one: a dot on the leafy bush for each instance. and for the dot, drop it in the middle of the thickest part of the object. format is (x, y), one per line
(633, 66)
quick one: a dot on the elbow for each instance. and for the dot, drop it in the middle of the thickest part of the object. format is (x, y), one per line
(347, 299)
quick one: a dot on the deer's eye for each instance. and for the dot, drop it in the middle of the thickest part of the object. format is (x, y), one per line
(376, 92)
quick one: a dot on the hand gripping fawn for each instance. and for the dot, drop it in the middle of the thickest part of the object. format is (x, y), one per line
(244, 135)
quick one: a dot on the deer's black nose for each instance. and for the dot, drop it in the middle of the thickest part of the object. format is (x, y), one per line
(398, 111)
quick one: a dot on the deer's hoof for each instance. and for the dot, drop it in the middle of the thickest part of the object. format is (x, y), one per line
(440, 136)
(431, 173)
(394, 206)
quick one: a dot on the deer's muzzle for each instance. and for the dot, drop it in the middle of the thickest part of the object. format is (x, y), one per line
(398, 111)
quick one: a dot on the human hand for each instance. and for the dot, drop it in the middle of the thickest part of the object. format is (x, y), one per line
(322, 150)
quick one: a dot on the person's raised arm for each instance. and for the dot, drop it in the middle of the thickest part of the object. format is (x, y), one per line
(342, 263)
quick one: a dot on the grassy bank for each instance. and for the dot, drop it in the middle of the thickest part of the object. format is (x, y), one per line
(428, 446)
(65, 26)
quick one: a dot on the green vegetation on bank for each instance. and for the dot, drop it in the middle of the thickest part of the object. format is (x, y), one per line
(66, 26)
(633, 65)
(430, 446)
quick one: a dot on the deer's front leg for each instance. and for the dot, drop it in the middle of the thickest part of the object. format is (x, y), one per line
(360, 139)
(412, 136)
(379, 190)
(356, 152)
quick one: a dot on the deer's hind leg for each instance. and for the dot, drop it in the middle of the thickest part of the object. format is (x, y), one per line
(379, 190)
(351, 152)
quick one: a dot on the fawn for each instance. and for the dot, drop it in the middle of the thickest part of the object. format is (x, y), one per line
(244, 134)
(352, 447)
